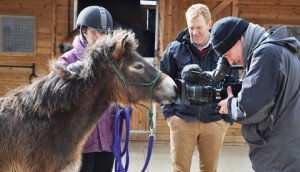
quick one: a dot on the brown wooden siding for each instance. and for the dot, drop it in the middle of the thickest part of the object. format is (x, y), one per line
(51, 27)
(270, 11)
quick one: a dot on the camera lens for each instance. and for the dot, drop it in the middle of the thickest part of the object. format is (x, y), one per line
(198, 93)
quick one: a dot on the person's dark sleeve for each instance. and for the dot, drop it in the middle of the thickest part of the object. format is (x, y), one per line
(168, 66)
(258, 93)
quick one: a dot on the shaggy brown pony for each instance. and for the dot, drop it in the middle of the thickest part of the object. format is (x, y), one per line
(44, 125)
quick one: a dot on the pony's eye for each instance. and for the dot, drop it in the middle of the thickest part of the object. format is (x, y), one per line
(138, 66)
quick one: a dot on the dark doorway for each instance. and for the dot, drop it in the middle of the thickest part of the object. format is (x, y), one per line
(131, 14)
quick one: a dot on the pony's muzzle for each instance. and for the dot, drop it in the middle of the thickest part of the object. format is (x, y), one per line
(169, 90)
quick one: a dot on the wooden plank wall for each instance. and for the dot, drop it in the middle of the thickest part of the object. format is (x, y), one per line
(42, 10)
(270, 11)
(51, 21)
(172, 20)
(63, 25)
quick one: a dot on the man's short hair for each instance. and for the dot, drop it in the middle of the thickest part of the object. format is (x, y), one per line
(197, 10)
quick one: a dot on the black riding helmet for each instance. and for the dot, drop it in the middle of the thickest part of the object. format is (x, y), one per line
(95, 17)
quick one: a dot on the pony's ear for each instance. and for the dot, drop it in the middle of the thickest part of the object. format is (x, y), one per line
(120, 47)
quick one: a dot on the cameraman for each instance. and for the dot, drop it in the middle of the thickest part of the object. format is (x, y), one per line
(193, 125)
(268, 105)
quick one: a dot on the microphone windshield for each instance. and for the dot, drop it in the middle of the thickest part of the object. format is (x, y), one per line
(191, 73)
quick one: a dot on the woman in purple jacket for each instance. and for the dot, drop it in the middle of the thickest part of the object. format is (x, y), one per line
(93, 22)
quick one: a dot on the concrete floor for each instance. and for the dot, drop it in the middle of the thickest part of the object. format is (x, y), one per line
(233, 158)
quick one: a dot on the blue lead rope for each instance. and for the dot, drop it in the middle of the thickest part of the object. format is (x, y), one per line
(118, 139)
(124, 114)
(150, 146)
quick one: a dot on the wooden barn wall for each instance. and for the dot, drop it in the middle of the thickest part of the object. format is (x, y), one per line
(51, 26)
(172, 21)
(270, 11)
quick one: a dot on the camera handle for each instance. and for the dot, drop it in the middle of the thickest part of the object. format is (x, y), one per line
(221, 70)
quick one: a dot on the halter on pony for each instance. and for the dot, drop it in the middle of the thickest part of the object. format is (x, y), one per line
(124, 114)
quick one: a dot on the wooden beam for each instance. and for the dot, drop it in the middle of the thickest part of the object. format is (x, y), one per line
(220, 7)
(235, 8)
(270, 2)
(53, 28)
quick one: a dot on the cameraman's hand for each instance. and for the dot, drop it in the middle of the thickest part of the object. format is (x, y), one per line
(223, 103)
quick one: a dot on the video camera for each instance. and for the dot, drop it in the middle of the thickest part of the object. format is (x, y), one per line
(192, 85)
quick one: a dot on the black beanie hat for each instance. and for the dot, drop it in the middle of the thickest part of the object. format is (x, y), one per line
(226, 32)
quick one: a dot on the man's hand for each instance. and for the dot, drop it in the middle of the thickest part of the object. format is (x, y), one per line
(223, 103)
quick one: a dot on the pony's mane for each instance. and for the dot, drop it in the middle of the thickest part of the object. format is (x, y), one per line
(111, 43)
(61, 89)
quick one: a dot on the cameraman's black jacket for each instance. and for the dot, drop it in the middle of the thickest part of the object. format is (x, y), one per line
(177, 55)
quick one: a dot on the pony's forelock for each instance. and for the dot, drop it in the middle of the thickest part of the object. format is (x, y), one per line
(110, 41)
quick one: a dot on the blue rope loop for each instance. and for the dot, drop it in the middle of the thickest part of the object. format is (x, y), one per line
(121, 116)
(125, 114)
(150, 146)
